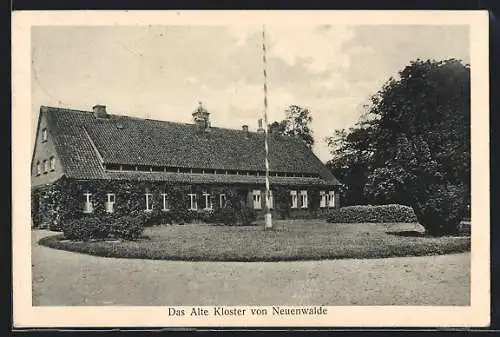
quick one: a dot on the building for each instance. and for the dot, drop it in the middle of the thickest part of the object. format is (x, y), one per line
(96, 162)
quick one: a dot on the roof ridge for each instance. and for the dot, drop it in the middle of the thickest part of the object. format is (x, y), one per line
(125, 116)
(167, 143)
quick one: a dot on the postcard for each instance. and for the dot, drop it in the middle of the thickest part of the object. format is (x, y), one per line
(250, 169)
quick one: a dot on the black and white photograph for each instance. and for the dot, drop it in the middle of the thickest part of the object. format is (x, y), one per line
(239, 168)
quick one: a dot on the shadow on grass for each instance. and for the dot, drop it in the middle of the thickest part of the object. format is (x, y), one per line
(411, 234)
(417, 234)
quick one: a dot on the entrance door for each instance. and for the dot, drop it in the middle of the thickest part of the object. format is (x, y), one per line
(242, 197)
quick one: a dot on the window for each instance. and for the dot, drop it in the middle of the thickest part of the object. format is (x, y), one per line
(110, 203)
(222, 200)
(165, 202)
(257, 204)
(331, 199)
(87, 204)
(193, 203)
(44, 135)
(303, 199)
(52, 163)
(45, 166)
(149, 202)
(207, 199)
(38, 168)
(293, 201)
(322, 200)
(271, 201)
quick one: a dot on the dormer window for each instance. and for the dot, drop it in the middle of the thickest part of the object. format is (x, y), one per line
(45, 166)
(38, 168)
(44, 135)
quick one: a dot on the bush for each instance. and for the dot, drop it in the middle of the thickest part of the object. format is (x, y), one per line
(368, 213)
(156, 217)
(246, 216)
(228, 215)
(442, 209)
(209, 216)
(236, 216)
(127, 227)
(105, 227)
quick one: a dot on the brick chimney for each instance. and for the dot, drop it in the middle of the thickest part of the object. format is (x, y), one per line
(99, 111)
(244, 128)
(260, 129)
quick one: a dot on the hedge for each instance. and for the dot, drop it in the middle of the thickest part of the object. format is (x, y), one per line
(98, 228)
(230, 216)
(368, 213)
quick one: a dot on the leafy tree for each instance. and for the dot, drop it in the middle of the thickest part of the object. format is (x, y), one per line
(415, 143)
(296, 123)
(353, 151)
(278, 127)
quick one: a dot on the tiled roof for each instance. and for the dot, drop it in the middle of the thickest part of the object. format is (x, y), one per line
(195, 178)
(84, 143)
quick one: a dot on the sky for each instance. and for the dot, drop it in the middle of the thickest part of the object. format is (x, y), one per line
(162, 72)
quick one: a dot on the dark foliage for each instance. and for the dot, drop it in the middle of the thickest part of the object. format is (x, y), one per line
(368, 213)
(413, 145)
(296, 123)
(98, 228)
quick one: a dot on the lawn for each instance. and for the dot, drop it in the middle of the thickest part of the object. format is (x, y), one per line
(62, 278)
(289, 240)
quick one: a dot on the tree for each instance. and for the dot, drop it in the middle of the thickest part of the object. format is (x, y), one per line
(417, 143)
(352, 159)
(278, 127)
(296, 123)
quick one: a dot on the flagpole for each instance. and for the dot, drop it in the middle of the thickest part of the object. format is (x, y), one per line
(267, 217)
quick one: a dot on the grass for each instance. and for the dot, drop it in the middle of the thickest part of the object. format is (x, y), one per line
(289, 240)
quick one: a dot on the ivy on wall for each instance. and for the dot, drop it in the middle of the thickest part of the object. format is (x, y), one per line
(64, 200)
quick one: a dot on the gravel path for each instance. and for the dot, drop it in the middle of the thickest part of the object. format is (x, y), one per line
(65, 278)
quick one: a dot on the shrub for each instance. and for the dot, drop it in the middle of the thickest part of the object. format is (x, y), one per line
(442, 210)
(127, 227)
(104, 227)
(156, 217)
(85, 228)
(246, 216)
(368, 213)
(229, 216)
(209, 216)
(234, 216)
